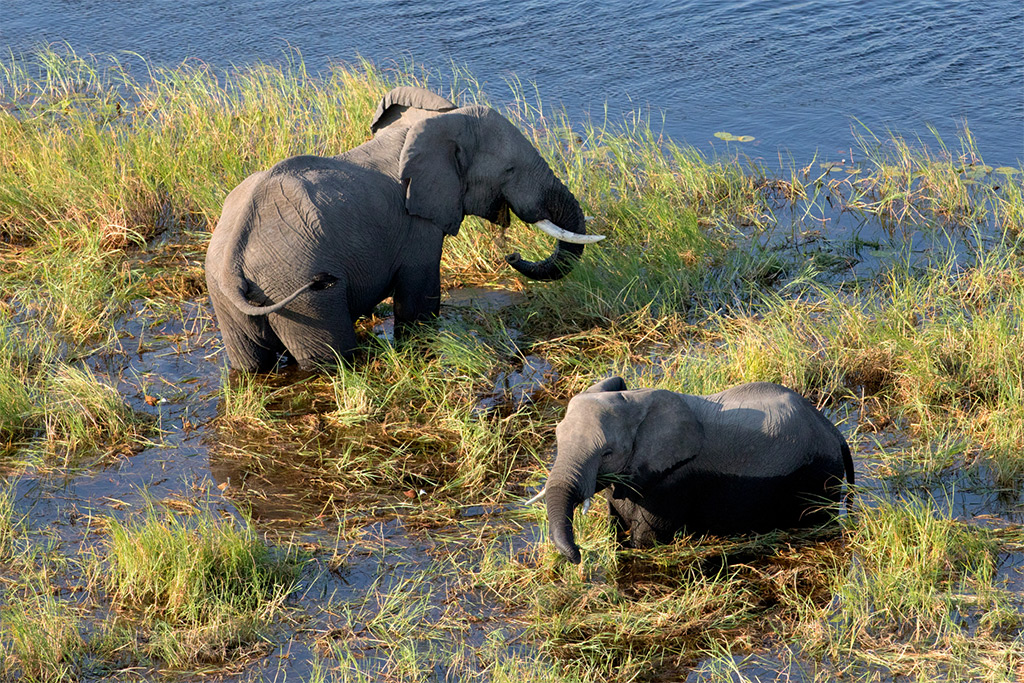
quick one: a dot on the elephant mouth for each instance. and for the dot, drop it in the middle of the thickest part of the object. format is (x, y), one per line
(499, 213)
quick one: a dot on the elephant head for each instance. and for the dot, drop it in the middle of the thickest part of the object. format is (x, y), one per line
(473, 161)
(633, 437)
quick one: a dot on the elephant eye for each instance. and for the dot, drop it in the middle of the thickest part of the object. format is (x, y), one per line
(510, 170)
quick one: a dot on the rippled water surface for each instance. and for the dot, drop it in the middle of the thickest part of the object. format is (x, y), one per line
(795, 75)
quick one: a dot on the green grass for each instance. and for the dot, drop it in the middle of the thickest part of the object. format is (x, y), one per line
(109, 187)
(40, 639)
(59, 413)
(921, 598)
(203, 587)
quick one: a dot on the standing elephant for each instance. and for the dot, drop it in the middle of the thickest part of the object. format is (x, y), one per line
(752, 458)
(305, 248)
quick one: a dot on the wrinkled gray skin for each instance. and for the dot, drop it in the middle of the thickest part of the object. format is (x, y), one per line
(304, 249)
(753, 458)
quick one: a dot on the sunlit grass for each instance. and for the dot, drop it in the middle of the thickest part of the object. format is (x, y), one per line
(109, 186)
(920, 598)
(204, 587)
(93, 161)
(39, 638)
(58, 413)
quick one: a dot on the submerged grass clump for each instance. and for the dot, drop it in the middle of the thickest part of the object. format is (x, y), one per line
(58, 413)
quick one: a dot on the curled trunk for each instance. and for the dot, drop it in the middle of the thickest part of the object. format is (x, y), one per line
(573, 479)
(564, 211)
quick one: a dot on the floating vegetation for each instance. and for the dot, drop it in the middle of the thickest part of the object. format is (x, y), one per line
(729, 137)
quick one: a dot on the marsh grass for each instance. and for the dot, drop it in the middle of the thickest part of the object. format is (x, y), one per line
(95, 162)
(921, 597)
(906, 186)
(39, 636)
(109, 187)
(202, 586)
(58, 413)
(407, 419)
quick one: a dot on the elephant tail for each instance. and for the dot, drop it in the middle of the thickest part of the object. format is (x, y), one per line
(237, 295)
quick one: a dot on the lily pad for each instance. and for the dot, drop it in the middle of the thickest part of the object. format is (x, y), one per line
(729, 137)
(1007, 170)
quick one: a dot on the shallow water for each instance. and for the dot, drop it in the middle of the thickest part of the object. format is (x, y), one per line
(795, 75)
(173, 357)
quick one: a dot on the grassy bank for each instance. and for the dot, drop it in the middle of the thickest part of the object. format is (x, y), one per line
(390, 489)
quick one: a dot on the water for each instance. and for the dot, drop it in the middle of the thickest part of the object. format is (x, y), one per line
(795, 75)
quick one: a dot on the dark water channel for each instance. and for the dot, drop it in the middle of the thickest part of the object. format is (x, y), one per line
(794, 75)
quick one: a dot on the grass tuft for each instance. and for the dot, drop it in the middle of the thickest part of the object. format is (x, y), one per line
(203, 585)
(39, 639)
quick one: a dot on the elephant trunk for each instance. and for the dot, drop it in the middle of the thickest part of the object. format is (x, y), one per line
(564, 211)
(573, 479)
(562, 502)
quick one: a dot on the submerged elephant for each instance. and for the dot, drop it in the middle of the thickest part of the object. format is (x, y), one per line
(752, 458)
(305, 248)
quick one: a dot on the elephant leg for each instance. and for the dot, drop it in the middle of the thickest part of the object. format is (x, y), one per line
(318, 330)
(644, 532)
(417, 294)
(250, 342)
(620, 523)
(635, 527)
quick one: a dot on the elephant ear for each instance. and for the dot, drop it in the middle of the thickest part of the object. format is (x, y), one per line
(607, 384)
(405, 106)
(668, 435)
(432, 166)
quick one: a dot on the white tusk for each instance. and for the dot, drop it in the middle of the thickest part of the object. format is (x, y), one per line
(566, 236)
(586, 505)
(538, 497)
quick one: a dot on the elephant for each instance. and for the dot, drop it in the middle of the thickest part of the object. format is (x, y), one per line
(750, 459)
(305, 248)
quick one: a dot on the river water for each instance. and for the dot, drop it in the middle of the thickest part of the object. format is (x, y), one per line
(795, 75)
